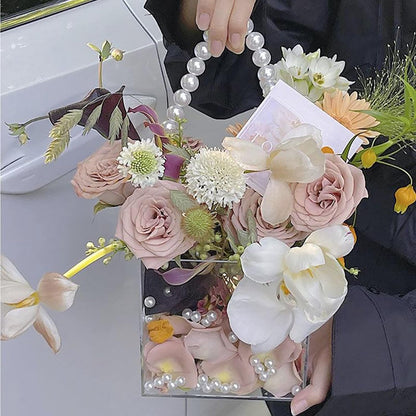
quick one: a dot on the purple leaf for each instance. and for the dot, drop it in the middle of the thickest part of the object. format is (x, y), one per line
(177, 276)
(173, 165)
(145, 110)
(155, 128)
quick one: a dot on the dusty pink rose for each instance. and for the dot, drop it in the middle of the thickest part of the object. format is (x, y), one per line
(209, 344)
(171, 357)
(98, 176)
(150, 225)
(330, 199)
(236, 369)
(237, 220)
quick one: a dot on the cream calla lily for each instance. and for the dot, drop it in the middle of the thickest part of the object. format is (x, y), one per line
(297, 158)
(20, 303)
(289, 291)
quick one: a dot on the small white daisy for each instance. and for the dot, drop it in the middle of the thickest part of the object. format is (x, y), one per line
(142, 161)
(214, 177)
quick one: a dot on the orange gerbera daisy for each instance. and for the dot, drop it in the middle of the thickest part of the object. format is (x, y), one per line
(343, 107)
(234, 129)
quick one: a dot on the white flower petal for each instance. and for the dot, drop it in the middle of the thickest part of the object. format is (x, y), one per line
(250, 156)
(282, 382)
(8, 271)
(302, 327)
(305, 257)
(332, 278)
(262, 262)
(56, 291)
(47, 328)
(304, 130)
(17, 321)
(256, 315)
(277, 203)
(14, 292)
(337, 240)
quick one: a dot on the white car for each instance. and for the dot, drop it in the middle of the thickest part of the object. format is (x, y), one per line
(46, 64)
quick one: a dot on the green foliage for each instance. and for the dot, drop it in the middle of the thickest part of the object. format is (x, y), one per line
(116, 121)
(252, 228)
(178, 151)
(65, 123)
(56, 147)
(92, 119)
(125, 131)
(182, 201)
(100, 205)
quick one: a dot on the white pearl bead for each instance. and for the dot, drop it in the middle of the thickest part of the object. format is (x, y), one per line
(254, 360)
(296, 389)
(190, 82)
(174, 112)
(205, 322)
(261, 57)
(171, 385)
(158, 382)
(268, 362)
(267, 86)
(263, 376)
(271, 371)
(182, 97)
(148, 386)
(195, 316)
(212, 316)
(232, 337)
(167, 377)
(266, 73)
(203, 379)
(225, 388)
(250, 26)
(216, 384)
(205, 35)
(201, 51)
(235, 387)
(254, 41)
(170, 126)
(149, 302)
(148, 318)
(207, 388)
(180, 381)
(197, 386)
(196, 66)
(186, 313)
(259, 368)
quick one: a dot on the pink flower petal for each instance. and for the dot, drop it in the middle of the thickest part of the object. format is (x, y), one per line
(47, 328)
(282, 382)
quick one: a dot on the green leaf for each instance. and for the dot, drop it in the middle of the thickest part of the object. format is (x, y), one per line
(65, 123)
(182, 201)
(410, 92)
(243, 238)
(94, 48)
(252, 227)
(116, 121)
(56, 147)
(179, 151)
(100, 205)
(105, 50)
(92, 119)
(125, 131)
(344, 154)
(177, 260)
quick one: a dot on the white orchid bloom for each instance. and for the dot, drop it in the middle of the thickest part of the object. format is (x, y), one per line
(20, 303)
(289, 291)
(296, 62)
(298, 158)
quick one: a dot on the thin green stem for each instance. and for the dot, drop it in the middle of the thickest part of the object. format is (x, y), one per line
(398, 167)
(33, 120)
(100, 73)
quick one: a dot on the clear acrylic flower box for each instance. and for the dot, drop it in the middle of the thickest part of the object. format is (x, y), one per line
(194, 352)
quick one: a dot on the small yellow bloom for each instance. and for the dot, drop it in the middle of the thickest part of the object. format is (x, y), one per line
(160, 331)
(327, 149)
(405, 197)
(368, 158)
(117, 54)
(341, 261)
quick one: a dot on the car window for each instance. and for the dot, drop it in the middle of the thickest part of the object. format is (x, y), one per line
(15, 13)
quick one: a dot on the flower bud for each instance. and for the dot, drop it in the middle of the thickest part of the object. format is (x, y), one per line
(405, 197)
(117, 54)
(15, 129)
(101, 241)
(368, 158)
(23, 138)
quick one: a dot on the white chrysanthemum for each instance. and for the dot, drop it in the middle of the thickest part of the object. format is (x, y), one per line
(142, 161)
(214, 177)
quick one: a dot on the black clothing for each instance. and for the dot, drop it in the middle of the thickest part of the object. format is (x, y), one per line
(374, 334)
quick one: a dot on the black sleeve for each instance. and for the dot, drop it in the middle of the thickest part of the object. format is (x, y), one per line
(374, 356)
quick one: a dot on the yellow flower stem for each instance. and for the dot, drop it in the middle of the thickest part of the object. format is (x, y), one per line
(91, 259)
(398, 167)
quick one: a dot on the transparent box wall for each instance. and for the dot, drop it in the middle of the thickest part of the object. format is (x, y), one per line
(202, 358)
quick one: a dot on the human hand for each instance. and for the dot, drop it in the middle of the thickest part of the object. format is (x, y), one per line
(320, 356)
(226, 21)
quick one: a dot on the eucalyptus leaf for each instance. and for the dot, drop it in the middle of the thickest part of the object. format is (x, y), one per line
(179, 151)
(182, 201)
(243, 238)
